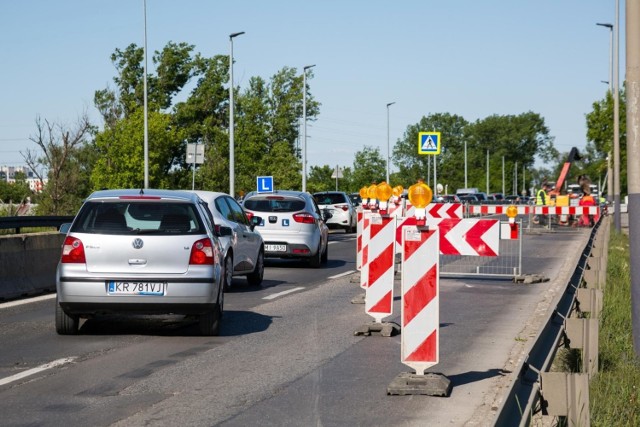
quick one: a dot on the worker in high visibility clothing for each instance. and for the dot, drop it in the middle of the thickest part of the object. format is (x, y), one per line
(542, 199)
(587, 200)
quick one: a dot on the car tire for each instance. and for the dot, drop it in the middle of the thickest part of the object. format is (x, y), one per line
(325, 255)
(228, 273)
(316, 260)
(255, 278)
(66, 324)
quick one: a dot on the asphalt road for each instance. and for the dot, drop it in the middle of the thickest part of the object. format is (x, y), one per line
(287, 354)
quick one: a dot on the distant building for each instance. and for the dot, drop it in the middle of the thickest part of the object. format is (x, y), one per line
(8, 174)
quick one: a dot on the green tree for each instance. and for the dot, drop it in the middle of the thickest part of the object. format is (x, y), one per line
(319, 179)
(600, 139)
(450, 164)
(61, 162)
(368, 167)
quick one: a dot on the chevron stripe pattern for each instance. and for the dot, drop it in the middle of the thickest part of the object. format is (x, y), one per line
(381, 253)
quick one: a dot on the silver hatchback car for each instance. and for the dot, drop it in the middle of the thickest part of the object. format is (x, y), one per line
(140, 252)
(243, 250)
(292, 225)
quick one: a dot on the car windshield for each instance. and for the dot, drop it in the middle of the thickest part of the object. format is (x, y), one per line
(329, 198)
(138, 217)
(274, 204)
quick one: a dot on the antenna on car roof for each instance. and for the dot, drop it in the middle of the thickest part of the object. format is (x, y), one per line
(142, 191)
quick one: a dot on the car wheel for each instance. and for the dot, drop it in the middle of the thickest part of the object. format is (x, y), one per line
(228, 273)
(325, 254)
(65, 324)
(255, 278)
(210, 321)
(316, 260)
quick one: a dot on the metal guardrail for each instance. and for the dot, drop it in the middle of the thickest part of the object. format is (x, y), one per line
(519, 406)
(18, 222)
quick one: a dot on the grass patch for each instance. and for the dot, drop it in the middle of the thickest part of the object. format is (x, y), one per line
(614, 390)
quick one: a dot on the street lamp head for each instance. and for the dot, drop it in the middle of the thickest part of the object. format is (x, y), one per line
(306, 67)
(609, 26)
(390, 104)
(232, 35)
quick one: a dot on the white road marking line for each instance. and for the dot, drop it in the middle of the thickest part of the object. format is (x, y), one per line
(26, 301)
(35, 370)
(279, 294)
(337, 276)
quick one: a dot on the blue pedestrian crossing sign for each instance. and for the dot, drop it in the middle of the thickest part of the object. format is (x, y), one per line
(429, 143)
(265, 184)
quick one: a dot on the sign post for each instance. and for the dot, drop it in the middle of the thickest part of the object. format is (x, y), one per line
(195, 155)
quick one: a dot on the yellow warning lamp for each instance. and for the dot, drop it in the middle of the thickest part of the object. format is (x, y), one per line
(397, 192)
(383, 193)
(420, 196)
(371, 194)
(363, 193)
(512, 212)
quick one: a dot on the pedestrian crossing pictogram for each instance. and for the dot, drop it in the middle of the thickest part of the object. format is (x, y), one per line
(429, 143)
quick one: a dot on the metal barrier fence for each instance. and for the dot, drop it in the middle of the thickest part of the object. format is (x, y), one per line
(508, 263)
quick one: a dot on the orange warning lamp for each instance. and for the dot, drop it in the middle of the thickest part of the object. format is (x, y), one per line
(371, 194)
(397, 192)
(420, 196)
(364, 197)
(383, 194)
(512, 212)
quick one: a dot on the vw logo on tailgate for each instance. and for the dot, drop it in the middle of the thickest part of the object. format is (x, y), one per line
(137, 243)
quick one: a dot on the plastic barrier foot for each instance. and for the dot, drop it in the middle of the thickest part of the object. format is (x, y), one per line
(430, 384)
(385, 329)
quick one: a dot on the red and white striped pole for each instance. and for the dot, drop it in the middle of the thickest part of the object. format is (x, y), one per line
(381, 253)
(420, 298)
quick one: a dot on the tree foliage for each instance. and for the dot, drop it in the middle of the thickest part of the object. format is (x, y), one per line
(61, 162)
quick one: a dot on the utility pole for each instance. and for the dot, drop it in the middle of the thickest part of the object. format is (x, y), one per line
(616, 120)
(633, 151)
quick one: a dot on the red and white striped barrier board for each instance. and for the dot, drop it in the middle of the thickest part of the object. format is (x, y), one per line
(439, 210)
(468, 236)
(381, 253)
(363, 244)
(536, 210)
(420, 298)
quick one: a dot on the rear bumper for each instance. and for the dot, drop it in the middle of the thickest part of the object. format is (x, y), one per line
(118, 307)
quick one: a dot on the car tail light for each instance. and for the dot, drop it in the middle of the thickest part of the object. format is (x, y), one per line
(343, 207)
(202, 253)
(73, 251)
(304, 218)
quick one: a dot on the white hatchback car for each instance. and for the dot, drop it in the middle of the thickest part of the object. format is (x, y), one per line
(243, 250)
(339, 205)
(140, 252)
(292, 225)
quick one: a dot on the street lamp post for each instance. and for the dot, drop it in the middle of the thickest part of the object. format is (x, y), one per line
(388, 152)
(610, 82)
(304, 120)
(146, 123)
(232, 166)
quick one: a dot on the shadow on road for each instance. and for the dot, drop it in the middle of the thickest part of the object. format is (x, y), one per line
(474, 376)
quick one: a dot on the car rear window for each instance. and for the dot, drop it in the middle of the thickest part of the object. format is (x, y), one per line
(138, 217)
(329, 199)
(275, 204)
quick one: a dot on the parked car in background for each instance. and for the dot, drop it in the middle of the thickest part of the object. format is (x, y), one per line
(343, 212)
(140, 252)
(356, 199)
(447, 198)
(292, 225)
(243, 249)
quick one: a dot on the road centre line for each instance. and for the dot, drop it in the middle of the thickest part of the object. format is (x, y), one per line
(279, 294)
(26, 301)
(37, 369)
(337, 276)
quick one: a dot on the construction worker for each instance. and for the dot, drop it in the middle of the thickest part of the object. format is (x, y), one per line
(542, 200)
(587, 200)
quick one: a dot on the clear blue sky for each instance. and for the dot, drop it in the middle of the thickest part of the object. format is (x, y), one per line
(471, 58)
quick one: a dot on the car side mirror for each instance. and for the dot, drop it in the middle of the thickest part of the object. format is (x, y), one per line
(326, 214)
(255, 221)
(64, 228)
